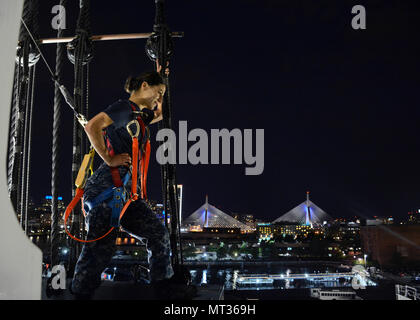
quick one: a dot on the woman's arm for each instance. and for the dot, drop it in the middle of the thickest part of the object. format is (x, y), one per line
(93, 130)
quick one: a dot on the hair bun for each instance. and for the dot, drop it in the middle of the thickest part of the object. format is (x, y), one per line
(130, 84)
(134, 83)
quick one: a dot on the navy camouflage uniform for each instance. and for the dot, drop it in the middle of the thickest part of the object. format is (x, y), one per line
(139, 220)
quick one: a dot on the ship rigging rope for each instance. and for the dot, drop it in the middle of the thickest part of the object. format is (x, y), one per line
(13, 132)
(55, 159)
(28, 143)
(82, 55)
(30, 63)
(159, 47)
(68, 98)
(79, 53)
(23, 107)
(19, 118)
(66, 94)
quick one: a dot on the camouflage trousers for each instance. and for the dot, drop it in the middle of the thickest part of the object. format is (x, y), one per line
(140, 221)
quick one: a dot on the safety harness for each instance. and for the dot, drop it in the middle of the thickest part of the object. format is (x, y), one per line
(116, 197)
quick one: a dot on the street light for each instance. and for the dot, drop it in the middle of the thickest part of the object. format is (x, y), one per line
(365, 255)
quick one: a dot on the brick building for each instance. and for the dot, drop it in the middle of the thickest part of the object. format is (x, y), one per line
(382, 243)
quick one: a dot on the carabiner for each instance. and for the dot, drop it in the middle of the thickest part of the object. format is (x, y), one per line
(137, 127)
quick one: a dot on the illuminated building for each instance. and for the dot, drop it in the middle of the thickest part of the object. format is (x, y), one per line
(264, 228)
(180, 195)
(223, 230)
(292, 229)
(265, 231)
(159, 209)
(40, 217)
(348, 230)
(414, 217)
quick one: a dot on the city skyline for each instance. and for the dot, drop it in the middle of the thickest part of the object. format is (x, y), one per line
(46, 199)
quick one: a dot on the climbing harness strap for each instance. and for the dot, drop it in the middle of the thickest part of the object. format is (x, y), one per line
(145, 168)
(144, 155)
(134, 159)
(115, 174)
(120, 199)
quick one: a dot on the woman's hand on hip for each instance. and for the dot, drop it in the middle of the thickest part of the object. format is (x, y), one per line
(122, 159)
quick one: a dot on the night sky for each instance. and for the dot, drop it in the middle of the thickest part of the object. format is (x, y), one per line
(339, 107)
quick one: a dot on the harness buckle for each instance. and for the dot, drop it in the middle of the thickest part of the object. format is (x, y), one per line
(133, 135)
(119, 198)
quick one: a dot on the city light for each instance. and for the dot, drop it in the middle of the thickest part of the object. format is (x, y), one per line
(204, 277)
(50, 198)
(270, 233)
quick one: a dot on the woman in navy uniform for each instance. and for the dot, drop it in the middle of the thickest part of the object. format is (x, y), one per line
(146, 95)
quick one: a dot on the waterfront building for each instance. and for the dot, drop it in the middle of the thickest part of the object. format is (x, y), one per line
(40, 216)
(348, 230)
(264, 231)
(391, 244)
(265, 228)
(288, 229)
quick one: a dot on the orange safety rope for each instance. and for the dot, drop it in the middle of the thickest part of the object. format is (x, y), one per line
(134, 161)
(144, 167)
(69, 209)
(144, 160)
